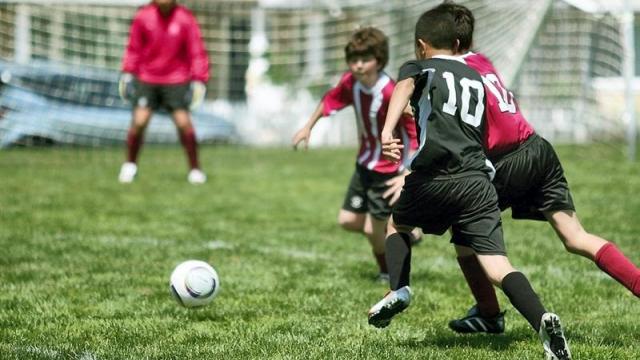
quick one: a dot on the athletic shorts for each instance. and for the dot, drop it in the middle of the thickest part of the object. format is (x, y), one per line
(530, 180)
(168, 97)
(364, 194)
(467, 203)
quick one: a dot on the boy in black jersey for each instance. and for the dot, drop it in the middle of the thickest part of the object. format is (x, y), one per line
(450, 186)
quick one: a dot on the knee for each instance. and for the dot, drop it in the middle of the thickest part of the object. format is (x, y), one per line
(495, 277)
(369, 232)
(184, 128)
(495, 267)
(350, 224)
(138, 127)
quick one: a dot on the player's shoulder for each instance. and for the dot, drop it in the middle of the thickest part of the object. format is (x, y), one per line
(387, 84)
(184, 13)
(145, 10)
(414, 68)
(347, 79)
(182, 9)
(479, 61)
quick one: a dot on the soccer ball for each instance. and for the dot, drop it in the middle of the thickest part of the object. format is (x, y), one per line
(194, 283)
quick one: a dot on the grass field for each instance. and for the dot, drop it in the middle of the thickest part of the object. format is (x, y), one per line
(85, 262)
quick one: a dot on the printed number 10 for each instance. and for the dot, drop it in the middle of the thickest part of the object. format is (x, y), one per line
(467, 84)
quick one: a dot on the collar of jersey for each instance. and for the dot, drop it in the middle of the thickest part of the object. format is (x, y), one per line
(383, 80)
(450, 57)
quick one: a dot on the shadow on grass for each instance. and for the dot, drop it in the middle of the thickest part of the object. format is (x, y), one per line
(480, 341)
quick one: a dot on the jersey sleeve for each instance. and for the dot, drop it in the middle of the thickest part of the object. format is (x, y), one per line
(410, 69)
(133, 51)
(340, 96)
(197, 53)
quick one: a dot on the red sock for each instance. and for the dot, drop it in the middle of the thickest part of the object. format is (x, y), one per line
(134, 142)
(612, 261)
(188, 139)
(480, 286)
(382, 263)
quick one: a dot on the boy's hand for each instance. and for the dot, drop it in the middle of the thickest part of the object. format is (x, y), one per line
(301, 136)
(395, 188)
(391, 148)
(198, 91)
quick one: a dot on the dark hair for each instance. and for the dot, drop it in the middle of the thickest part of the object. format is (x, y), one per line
(465, 22)
(437, 28)
(368, 41)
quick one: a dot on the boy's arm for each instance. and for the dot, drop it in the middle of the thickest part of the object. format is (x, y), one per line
(391, 147)
(134, 48)
(305, 132)
(335, 99)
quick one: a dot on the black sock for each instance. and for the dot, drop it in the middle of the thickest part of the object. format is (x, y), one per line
(518, 289)
(398, 256)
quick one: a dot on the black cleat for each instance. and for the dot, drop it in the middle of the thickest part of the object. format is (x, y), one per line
(475, 323)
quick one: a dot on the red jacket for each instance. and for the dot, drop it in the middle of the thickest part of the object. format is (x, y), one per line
(165, 49)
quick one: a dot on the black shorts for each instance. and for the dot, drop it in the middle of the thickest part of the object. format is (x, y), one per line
(364, 194)
(530, 180)
(467, 203)
(168, 97)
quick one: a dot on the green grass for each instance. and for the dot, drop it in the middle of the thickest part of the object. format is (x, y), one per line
(85, 262)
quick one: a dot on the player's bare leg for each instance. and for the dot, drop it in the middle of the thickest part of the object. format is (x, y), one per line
(376, 232)
(604, 253)
(182, 119)
(373, 229)
(485, 315)
(140, 120)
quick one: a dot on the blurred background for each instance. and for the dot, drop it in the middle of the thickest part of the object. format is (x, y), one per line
(571, 64)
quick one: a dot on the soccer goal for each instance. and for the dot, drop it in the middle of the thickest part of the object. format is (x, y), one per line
(273, 59)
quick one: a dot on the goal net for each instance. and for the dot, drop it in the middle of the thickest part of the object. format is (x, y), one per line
(273, 59)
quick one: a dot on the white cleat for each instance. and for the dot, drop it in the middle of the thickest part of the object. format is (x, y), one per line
(128, 172)
(553, 341)
(196, 176)
(393, 303)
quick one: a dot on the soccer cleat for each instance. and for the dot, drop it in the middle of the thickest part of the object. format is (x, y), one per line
(196, 176)
(393, 303)
(475, 323)
(128, 172)
(553, 340)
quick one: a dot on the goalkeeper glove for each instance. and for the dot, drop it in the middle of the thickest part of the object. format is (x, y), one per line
(198, 91)
(126, 87)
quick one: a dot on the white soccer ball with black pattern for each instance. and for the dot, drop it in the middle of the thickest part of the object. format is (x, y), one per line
(194, 283)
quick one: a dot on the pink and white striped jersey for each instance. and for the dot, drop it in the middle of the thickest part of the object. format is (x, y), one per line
(506, 126)
(371, 105)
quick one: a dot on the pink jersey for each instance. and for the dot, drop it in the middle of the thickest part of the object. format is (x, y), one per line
(371, 106)
(506, 127)
(165, 49)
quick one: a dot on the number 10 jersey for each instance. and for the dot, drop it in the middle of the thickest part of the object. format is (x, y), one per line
(448, 103)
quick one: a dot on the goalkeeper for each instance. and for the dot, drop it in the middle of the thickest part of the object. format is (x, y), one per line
(165, 65)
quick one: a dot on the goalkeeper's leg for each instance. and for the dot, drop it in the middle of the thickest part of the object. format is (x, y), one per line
(135, 136)
(187, 134)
